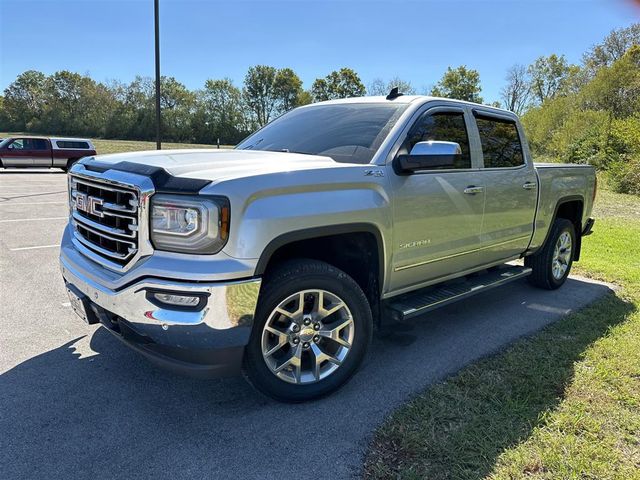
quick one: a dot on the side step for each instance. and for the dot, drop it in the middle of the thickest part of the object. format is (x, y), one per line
(408, 305)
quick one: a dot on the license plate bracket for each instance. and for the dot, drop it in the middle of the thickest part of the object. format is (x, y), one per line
(80, 304)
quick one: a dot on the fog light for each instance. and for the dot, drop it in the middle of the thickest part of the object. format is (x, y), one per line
(177, 300)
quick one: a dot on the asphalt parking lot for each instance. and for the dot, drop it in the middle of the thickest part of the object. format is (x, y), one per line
(76, 403)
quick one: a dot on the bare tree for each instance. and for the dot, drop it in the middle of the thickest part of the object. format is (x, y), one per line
(516, 94)
(380, 87)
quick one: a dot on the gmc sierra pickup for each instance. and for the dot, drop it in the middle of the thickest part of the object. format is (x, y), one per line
(280, 257)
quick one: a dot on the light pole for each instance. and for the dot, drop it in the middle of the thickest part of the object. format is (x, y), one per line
(157, 27)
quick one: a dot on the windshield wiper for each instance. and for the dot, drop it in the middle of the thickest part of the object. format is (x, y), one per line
(286, 150)
(250, 147)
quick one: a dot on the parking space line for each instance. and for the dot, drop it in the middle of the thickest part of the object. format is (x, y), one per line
(5, 204)
(5, 198)
(34, 247)
(32, 219)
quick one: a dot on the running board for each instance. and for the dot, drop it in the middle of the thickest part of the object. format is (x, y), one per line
(408, 305)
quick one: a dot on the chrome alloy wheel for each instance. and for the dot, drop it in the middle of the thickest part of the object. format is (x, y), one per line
(561, 256)
(307, 336)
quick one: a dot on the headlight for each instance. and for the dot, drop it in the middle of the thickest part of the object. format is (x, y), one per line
(189, 224)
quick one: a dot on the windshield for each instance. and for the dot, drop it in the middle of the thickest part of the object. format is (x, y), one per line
(347, 132)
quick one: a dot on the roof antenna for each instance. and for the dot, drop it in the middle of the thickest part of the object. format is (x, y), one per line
(394, 93)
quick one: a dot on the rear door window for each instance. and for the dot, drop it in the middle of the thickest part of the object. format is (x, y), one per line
(39, 144)
(501, 146)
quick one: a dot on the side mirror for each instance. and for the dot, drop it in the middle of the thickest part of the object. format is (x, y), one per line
(428, 155)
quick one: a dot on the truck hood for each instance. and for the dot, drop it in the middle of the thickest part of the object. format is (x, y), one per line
(219, 164)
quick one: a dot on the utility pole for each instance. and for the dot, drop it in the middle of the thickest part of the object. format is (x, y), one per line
(158, 119)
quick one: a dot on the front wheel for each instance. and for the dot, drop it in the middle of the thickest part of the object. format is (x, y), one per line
(552, 264)
(312, 328)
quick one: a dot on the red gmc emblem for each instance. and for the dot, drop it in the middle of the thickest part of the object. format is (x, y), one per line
(88, 204)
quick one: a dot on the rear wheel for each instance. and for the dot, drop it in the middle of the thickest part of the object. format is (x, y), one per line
(552, 264)
(70, 163)
(312, 329)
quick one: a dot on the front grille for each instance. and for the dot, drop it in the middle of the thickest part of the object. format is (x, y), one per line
(105, 218)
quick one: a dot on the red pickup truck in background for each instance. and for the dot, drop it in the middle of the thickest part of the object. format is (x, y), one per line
(28, 152)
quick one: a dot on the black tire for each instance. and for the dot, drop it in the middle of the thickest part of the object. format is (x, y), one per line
(542, 261)
(293, 277)
(70, 163)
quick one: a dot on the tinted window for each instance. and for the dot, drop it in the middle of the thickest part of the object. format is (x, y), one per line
(348, 133)
(443, 126)
(501, 145)
(72, 144)
(39, 144)
(17, 144)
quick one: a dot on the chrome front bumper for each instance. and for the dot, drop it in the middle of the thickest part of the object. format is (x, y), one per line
(206, 342)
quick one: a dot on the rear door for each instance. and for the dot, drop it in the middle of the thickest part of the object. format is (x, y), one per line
(437, 213)
(41, 152)
(510, 185)
(17, 153)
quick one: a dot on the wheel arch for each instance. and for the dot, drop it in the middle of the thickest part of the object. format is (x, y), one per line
(570, 207)
(355, 248)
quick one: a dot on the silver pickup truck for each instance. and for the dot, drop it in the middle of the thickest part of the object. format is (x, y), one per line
(280, 257)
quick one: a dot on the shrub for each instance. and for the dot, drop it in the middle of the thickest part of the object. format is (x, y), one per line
(624, 175)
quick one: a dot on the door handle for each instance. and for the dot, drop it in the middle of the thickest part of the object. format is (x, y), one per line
(529, 185)
(472, 190)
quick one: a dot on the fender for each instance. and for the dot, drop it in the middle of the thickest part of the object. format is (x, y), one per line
(324, 231)
(562, 201)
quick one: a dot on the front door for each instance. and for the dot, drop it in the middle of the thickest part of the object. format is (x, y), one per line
(17, 153)
(437, 214)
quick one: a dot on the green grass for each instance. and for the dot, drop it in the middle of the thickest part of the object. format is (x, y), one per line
(562, 404)
(117, 146)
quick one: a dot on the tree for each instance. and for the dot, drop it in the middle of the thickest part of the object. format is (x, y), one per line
(269, 92)
(380, 87)
(612, 48)
(616, 89)
(288, 89)
(259, 93)
(548, 76)
(134, 114)
(25, 101)
(515, 95)
(461, 83)
(344, 83)
(3, 114)
(220, 113)
(305, 98)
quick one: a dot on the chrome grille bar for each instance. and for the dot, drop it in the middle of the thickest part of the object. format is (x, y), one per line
(105, 218)
(103, 251)
(100, 228)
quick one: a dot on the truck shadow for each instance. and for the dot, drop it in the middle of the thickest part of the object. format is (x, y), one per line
(113, 415)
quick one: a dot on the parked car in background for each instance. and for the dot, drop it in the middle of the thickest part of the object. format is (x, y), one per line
(280, 257)
(29, 152)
